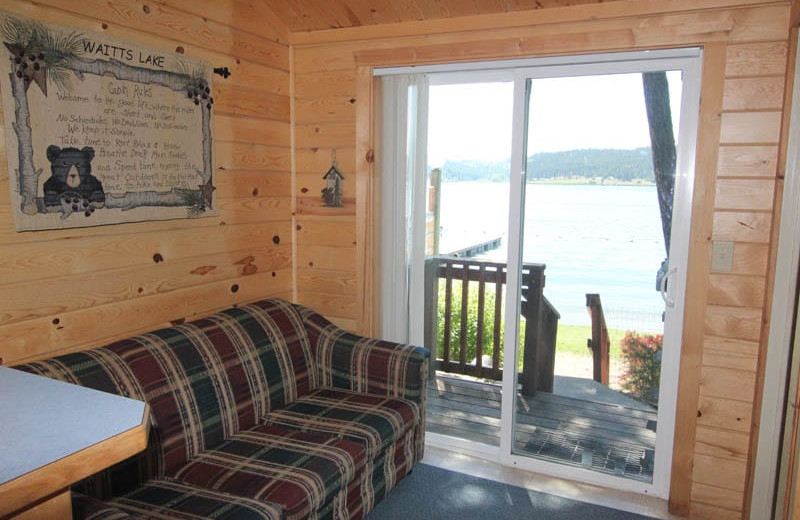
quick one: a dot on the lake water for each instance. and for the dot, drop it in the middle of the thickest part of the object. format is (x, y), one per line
(592, 238)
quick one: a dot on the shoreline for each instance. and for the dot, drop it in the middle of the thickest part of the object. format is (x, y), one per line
(564, 181)
(591, 182)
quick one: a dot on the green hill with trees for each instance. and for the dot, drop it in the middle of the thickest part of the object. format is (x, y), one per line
(591, 164)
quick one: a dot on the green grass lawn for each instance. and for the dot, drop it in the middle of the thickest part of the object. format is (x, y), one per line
(571, 339)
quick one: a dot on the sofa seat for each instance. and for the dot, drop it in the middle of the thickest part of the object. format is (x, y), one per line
(169, 500)
(300, 471)
(373, 421)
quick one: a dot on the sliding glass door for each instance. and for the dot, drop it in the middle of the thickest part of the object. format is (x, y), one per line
(574, 231)
(602, 201)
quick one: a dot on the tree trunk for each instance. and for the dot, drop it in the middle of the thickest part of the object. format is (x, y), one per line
(27, 175)
(130, 200)
(135, 199)
(120, 70)
(208, 166)
(659, 117)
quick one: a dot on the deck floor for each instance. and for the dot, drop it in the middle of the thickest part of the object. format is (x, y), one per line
(610, 438)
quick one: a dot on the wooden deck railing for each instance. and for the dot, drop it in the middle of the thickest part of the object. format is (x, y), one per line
(599, 343)
(540, 321)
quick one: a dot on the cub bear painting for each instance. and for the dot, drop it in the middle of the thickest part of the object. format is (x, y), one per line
(72, 187)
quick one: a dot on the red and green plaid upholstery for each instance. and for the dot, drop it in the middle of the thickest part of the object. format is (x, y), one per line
(371, 420)
(351, 362)
(168, 500)
(254, 464)
(266, 404)
(365, 365)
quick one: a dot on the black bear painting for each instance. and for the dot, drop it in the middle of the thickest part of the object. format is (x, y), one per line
(128, 139)
(72, 188)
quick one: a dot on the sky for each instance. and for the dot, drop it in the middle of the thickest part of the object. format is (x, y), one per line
(473, 121)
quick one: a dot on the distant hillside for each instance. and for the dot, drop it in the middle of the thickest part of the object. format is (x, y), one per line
(476, 171)
(624, 165)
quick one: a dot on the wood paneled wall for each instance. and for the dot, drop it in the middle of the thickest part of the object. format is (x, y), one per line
(294, 98)
(81, 287)
(738, 173)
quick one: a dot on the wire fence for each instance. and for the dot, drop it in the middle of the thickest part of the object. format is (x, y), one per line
(647, 319)
(639, 319)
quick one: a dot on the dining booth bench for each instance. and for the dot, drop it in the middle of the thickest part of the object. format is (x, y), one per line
(261, 411)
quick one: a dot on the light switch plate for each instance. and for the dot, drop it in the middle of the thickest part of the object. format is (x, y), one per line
(721, 256)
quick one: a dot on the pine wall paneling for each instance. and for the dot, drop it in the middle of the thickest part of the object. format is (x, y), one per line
(744, 81)
(84, 287)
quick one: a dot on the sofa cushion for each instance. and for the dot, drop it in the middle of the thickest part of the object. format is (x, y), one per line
(371, 420)
(285, 367)
(167, 500)
(303, 472)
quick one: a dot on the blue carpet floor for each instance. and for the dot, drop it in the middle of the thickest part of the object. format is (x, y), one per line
(432, 493)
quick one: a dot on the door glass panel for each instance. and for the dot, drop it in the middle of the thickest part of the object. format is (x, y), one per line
(469, 149)
(594, 249)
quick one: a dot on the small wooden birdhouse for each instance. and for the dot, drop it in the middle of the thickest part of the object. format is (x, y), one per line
(332, 193)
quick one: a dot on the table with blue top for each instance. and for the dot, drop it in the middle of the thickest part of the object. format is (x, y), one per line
(53, 434)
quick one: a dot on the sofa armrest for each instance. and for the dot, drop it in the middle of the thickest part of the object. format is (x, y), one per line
(360, 364)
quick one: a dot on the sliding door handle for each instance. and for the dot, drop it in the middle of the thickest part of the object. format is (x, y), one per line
(664, 289)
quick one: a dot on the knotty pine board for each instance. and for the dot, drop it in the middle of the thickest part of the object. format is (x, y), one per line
(84, 328)
(748, 161)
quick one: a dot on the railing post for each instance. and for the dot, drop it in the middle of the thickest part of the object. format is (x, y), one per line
(497, 344)
(600, 343)
(548, 333)
(431, 311)
(448, 310)
(479, 339)
(434, 204)
(532, 287)
(464, 326)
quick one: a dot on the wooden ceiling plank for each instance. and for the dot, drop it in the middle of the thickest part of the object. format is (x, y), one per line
(428, 9)
(290, 13)
(265, 14)
(409, 11)
(458, 8)
(336, 14)
(359, 10)
(520, 5)
(491, 6)
(383, 11)
(442, 10)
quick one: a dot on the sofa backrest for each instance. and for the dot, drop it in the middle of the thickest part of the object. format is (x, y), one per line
(203, 380)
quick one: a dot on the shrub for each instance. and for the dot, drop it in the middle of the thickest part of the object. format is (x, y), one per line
(472, 323)
(642, 356)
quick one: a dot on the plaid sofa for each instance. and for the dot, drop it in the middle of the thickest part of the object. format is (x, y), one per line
(261, 411)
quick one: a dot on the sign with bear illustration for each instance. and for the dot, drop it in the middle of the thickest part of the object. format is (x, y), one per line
(100, 131)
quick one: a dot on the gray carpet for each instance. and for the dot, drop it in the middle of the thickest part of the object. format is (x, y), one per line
(432, 493)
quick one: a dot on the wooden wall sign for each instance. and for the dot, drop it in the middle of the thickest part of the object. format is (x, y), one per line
(101, 131)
